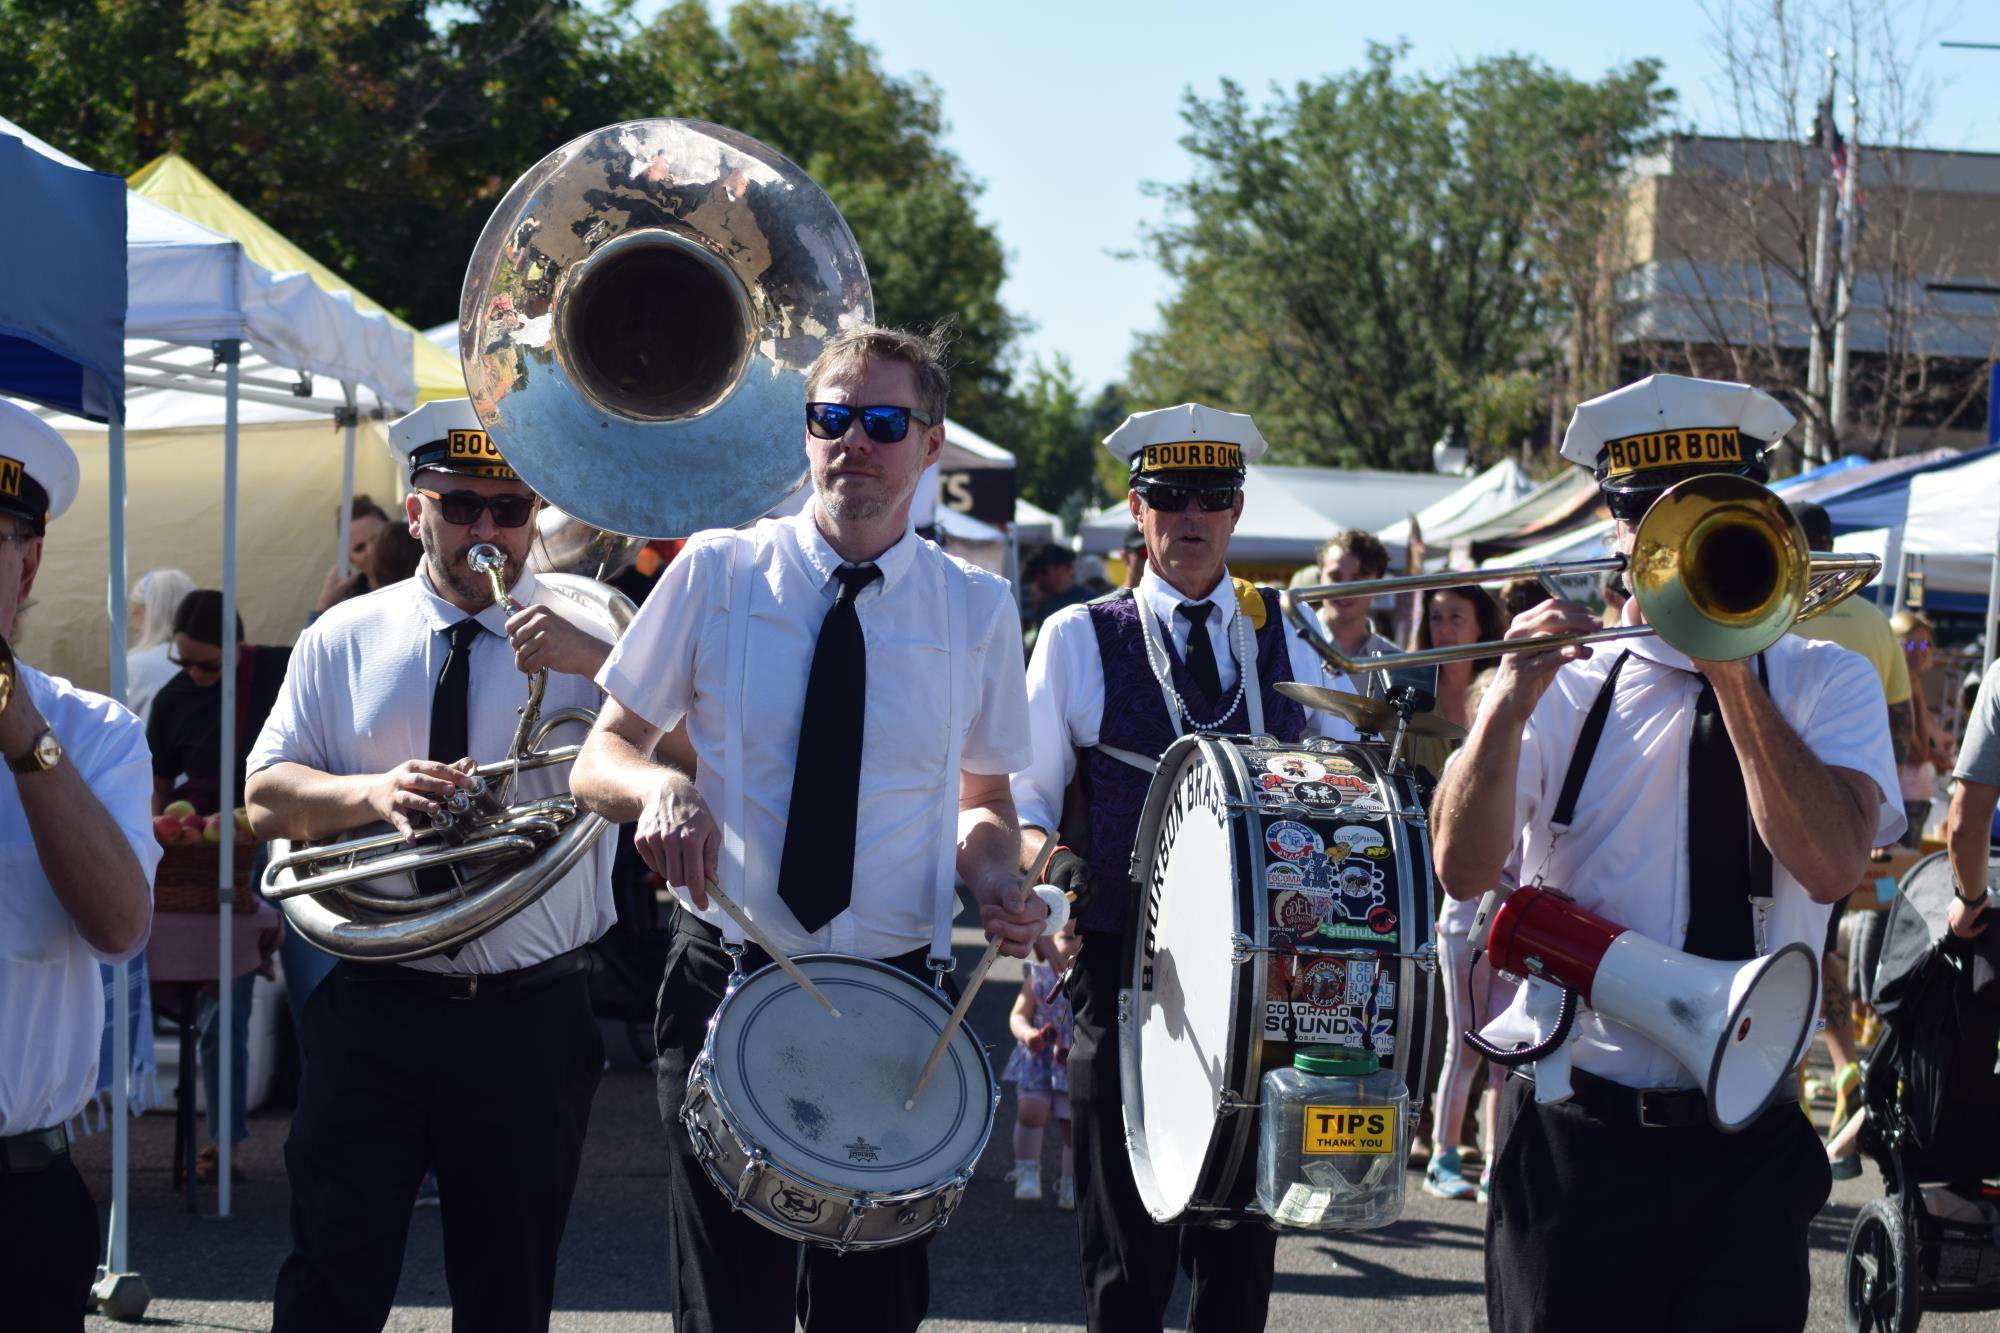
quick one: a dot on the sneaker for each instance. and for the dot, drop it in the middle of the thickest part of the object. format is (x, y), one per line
(1486, 1182)
(1066, 1194)
(427, 1191)
(1442, 1178)
(1027, 1181)
(1845, 1168)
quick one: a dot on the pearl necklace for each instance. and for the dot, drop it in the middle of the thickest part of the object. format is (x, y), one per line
(1156, 658)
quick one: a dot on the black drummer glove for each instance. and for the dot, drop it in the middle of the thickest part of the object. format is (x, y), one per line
(1071, 873)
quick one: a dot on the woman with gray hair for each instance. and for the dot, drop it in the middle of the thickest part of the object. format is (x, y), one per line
(149, 635)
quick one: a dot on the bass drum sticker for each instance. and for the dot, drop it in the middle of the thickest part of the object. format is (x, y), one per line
(1357, 840)
(1292, 766)
(1292, 840)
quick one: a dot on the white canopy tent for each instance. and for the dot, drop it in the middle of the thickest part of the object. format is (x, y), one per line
(1288, 512)
(1493, 491)
(1953, 526)
(192, 287)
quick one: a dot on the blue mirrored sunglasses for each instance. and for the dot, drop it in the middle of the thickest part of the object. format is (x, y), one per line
(883, 423)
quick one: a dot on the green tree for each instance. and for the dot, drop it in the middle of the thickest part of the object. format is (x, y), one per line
(1360, 263)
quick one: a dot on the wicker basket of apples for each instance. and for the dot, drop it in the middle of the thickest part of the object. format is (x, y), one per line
(191, 854)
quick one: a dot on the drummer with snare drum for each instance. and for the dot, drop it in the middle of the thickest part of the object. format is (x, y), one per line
(1110, 686)
(842, 698)
(1717, 808)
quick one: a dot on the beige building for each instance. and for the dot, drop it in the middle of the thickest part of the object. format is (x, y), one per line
(1719, 246)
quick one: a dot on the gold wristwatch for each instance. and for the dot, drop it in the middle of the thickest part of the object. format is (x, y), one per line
(45, 753)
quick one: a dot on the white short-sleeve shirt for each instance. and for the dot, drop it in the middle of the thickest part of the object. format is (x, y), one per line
(1625, 854)
(672, 663)
(357, 699)
(1066, 686)
(51, 998)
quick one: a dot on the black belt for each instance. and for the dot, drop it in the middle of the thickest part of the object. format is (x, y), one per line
(474, 985)
(36, 1150)
(1649, 1108)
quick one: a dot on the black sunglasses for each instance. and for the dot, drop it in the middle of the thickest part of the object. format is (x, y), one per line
(188, 664)
(883, 424)
(462, 507)
(1171, 499)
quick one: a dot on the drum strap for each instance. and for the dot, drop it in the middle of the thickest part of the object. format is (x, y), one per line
(944, 889)
(1138, 761)
(741, 567)
(1586, 748)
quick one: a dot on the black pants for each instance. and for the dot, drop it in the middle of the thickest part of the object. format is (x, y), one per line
(1129, 1259)
(48, 1247)
(492, 1093)
(1597, 1222)
(731, 1273)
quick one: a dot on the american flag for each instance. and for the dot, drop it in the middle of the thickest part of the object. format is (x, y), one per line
(1829, 137)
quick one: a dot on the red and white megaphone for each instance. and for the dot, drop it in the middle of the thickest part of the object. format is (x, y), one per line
(1738, 1027)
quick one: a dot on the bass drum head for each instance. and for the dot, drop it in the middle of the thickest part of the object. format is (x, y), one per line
(1284, 899)
(823, 1096)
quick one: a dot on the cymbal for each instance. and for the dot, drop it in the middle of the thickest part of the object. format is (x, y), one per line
(1369, 716)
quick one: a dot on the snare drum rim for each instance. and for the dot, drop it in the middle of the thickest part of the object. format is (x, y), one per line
(738, 1127)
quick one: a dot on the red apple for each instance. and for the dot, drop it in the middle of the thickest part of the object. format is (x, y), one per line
(167, 829)
(211, 829)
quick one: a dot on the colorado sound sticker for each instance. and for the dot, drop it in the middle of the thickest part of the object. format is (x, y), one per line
(1292, 840)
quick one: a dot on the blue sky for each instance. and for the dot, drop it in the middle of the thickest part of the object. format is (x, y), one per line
(1064, 110)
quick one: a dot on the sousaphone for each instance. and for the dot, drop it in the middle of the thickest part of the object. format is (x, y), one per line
(635, 329)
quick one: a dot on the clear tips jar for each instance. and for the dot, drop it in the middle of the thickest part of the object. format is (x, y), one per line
(1334, 1136)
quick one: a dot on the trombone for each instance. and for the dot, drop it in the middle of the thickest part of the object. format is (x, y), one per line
(1719, 567)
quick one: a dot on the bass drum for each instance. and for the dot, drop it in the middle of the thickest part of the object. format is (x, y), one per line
(1284, 899)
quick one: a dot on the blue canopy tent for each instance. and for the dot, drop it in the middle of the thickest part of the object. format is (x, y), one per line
(1884, 503)
(62, 344)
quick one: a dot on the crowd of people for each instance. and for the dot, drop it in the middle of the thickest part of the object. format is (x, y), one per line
(820, 729)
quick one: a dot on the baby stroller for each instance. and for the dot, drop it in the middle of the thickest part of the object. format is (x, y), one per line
(1932, 1095)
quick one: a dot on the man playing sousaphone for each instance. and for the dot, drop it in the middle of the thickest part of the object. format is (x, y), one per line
(1111, 684)
(479, 1063)
(827, 644)
(1714, 807)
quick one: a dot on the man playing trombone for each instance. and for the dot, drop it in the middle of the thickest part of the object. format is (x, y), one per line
(1715, 806)
(478, 1062)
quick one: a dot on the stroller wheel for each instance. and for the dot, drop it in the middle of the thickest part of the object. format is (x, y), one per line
(1882, 1292)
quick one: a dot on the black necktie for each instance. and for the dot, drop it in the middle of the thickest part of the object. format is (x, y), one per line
(1727, 861)
(450, 731)
(816, 873)
(1201, 653)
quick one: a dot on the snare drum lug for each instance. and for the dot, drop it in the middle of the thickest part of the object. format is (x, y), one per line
(1241, 948)
(1427, 959)
(1227, 1102)
(857, 1212)
(1124, 1007)
(753, 1166)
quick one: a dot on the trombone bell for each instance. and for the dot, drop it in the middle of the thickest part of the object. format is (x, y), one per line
(1719, 567)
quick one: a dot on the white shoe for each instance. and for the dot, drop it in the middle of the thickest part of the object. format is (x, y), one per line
(1066, 1194)
(1027, 1181)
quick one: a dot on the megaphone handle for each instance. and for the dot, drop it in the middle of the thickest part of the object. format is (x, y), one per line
(1509, 1056)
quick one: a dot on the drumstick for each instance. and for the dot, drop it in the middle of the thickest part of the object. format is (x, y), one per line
(763, 941)
(1058, 904)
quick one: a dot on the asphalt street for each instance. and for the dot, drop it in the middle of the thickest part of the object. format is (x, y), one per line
(999, 1265)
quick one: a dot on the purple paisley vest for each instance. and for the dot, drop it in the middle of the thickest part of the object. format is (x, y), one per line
(1135, 719)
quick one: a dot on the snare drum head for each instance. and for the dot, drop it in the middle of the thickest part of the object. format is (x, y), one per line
(823, 1096)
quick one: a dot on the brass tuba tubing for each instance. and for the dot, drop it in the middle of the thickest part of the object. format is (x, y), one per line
(1758, 581)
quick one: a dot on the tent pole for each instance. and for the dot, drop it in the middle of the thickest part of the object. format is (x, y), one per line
(229, 351)
(347, 419)
(121, 986)
(1902, 579)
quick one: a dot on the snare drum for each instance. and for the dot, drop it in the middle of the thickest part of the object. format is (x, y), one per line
(798, 1116)
(1284, 898)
